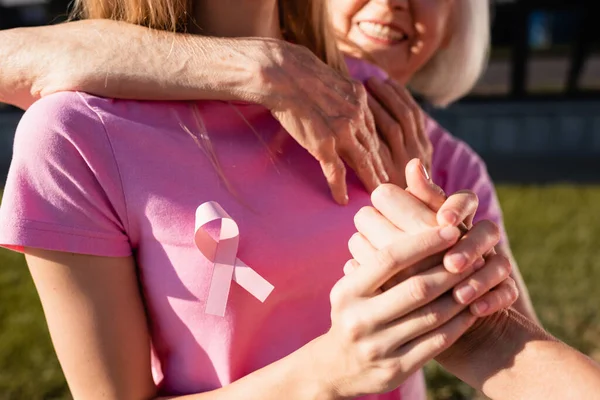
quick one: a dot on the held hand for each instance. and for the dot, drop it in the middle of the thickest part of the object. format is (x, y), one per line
(397, 213)
(328, 115)
(451, 211)
(378, 339)
(401, 127)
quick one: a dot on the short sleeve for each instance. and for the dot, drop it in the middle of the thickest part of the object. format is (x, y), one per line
(63, 190)
(456, 166)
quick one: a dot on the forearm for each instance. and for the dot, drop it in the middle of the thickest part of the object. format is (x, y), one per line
(114, 59)
(518, 360)
(293, 377)
(523, 305)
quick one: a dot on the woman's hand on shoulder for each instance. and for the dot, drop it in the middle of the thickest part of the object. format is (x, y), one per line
(326, 113)
(400, 124)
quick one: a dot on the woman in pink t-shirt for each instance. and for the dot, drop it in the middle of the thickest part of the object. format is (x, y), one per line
(438, 48)
(116, 205)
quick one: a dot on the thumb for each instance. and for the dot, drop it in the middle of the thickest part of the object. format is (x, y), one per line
(419, 184)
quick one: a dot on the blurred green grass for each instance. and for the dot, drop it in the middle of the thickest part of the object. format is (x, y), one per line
(554, 234)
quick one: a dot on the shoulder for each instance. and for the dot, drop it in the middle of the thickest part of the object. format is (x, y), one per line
(62, 136)
(455, 163)
(60, 115)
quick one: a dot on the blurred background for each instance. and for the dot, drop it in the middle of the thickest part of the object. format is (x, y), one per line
(535, 119)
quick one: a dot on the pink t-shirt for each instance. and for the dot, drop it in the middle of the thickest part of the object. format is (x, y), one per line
(118, 178)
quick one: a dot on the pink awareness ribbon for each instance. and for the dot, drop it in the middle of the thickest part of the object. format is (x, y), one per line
(223, 254)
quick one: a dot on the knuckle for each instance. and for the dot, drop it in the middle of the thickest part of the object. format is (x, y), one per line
(354, 240)
(504, 265)
(385, 259)
(337, 297)
(388, 374)
(432, 316)
(363, 215)
(405, 112)
(359, 90)
(353, 325)
(365, 162)
(324, 148)
(371, 351)
(419, 289)
(492, 229)
(424, 241)
(382, 193)
(441, 341)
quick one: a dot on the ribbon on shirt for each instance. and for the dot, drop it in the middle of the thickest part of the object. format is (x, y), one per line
(223, 255)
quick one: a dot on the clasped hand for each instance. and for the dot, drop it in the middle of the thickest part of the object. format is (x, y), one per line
(417, 282)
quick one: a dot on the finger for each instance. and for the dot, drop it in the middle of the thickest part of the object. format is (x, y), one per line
(420, 322)
(501, 297)
(400, 111)
(382, 169)
(400, 255)
(350, 266)
(402, 209)
(418, 113)
(388, 128)
(367, 134)
(413, 142)
(378, 230)
(459, 207)
(420, 185)
(362, 163)
(419, 351)
(473, 246)
(333, 168)
(496, 270)
(413, 293)
(362, 251)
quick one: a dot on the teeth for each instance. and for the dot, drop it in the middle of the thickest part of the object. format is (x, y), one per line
(380, 31)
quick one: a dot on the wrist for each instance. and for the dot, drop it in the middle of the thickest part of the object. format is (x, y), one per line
(490, 347)
(318, 371)
(265, 79)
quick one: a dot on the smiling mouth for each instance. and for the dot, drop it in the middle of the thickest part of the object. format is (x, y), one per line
(381, 33)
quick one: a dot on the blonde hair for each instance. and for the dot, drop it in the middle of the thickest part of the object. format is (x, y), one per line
(304, 22)
(453, 71)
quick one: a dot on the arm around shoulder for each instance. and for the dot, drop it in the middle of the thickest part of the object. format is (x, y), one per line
(88, 56)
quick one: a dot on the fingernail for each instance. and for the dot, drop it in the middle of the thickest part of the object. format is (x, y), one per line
(450, 217)
(480, 263)
(457, 261)
(420, 28)
(449, 233)
(465, 294)
(481, 306)
(424, 171)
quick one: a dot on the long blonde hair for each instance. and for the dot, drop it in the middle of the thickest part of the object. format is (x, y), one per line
(303, 22)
